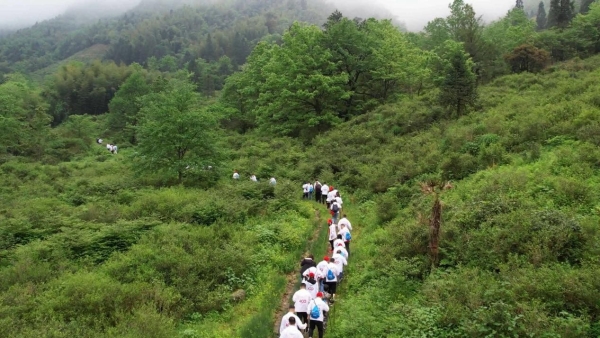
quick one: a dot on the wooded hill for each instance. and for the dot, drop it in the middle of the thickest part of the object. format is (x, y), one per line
(158, 241)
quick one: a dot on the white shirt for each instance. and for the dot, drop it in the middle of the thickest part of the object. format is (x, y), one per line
(334, 269)
(340, 261)
(309, 270)
(338, 241)
(253, 178)
(344, 251)
(338, 200)
(343, 232)
(322, 307)
(301, 299)
(322, 269)
(272, 181)
(291, 332)
(236, 176)
(305, 187)
(332, 231)
(312, 288)
(346, 222)
(285, 322)
(324, 189)
(335, 203)
(330, 196)
(109, 147)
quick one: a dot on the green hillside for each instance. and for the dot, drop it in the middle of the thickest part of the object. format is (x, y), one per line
(467, 156)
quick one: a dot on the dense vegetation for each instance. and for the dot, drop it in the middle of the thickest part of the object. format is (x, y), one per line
(156, 241)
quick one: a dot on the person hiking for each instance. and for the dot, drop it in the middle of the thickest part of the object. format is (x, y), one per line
(331, 278)
(322, 272)
(346, 236)
(114, 149)
(99, 141)
(344, 251)
(339, 200)
(272, 181)
(292, 330)
(253, 178)
(307, 262)
(346, 222)
(316, 308)
(338, 240)
(340, 261)
(301, 299)
(236, 175)
(335, 211)
(305, 187)
(330, 197)
(285, 320)
(324, 192)
(312, 285)
(312, 269)
(311, 190)
(318, 191)
(109, 147)
(332, 232)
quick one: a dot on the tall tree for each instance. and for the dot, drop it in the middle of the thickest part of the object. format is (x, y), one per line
(175, 131)
(541, 19)
(519, 4)
(585, 6)
(561, 13)
(458, 88)
(125, 106)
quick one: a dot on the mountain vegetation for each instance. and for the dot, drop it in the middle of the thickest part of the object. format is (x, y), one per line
(157, 241)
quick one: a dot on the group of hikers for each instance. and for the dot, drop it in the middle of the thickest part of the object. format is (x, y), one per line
(110, 147)
(236, 176)
(319, 281)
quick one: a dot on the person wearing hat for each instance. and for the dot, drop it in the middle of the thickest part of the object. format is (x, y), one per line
(332, 232)
(307, 263)
(331, 277)
(291, 331)
(285, 320)
(345, 234)
(317, 322)
(301, 299)
(321, 272)
(311, 285)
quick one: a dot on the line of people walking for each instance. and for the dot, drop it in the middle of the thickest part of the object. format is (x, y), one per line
(319, 281)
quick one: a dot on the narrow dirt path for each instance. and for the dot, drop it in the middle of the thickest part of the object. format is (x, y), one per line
(293, 276)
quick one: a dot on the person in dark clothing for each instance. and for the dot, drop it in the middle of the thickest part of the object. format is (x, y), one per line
(306, 263)
(317, 189)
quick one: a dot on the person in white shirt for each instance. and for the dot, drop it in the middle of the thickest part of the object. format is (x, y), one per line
(340, 261)
(332, 232)
(344, 251)
(99, 141)
(312, 269)
(312, 285)
(322, 271)
(114, 149)
(272, 181)
(317, 321)
(301, 299)
(236, 175)
(331, 277)
(109, 147)
(285, 320)
(253, 178)
(311, 190)
(292, 330)
(345, 222)
(345, 234)
(337, 241)
(305, 187)
(330, 197)
(324, 192)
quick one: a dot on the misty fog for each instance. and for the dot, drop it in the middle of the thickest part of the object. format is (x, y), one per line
(413, 13)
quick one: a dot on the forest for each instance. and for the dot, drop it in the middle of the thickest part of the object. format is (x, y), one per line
(495, 126)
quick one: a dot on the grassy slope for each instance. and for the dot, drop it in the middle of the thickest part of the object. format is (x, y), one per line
(95, 52)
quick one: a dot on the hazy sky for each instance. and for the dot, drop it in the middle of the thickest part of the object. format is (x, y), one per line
(415, 13)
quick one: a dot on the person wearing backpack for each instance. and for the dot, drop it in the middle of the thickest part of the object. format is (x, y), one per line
(285, 320)
(331, 278)
(307, 263)
(346, 236)
(311, 189)
(317, 191)
(337, 241)
(291, 331)
(322, 271)
(301, 299)
(316, 309)
(335, 211)
(346, 222)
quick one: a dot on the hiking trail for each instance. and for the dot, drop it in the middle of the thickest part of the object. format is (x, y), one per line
(292, 278)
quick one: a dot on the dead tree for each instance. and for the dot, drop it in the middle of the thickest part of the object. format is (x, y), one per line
(435, 188)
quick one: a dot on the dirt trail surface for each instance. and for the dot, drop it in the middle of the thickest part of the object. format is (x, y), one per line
(293, 277)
